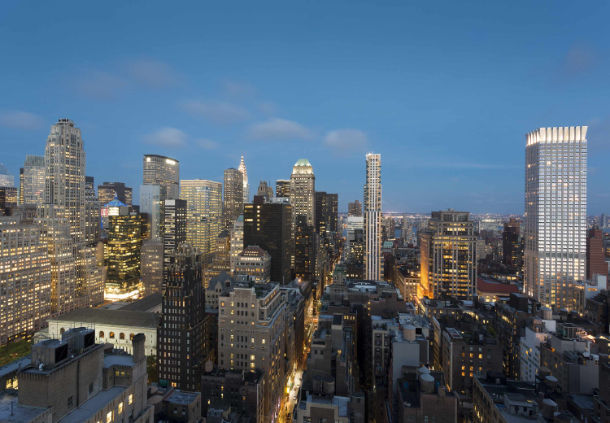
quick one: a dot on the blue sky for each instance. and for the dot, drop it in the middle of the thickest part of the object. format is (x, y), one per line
(445, 91)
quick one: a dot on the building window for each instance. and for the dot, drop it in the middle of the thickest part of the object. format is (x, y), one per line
(101, 334)
(111, 335)
(120, 408)
(70, 402)
(121, 335)
(61, 331)
(130, 399)
(109, 417)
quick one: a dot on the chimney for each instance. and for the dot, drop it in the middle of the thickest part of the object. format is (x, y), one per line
(138, 348)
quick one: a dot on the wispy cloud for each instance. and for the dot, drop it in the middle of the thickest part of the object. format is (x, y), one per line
(217, 112)
(167, 137)
(207, 144)
(20, 120)
(346, 141)
(277, 129)
(100, 85)
(152, 73)
(579, 59)
(238, 89)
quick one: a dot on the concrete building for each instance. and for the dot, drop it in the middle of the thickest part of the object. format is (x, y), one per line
(326, 212)
(512, 247)
(107, 191)
(354, 208)
(238, 390)
(151, 265)
(251, 336)
(174, 229)
(203, 212)
(181, 337)
(302, 192)
(254, 262)
(555, 214)
(246, 186)
(76, 381)
(448, 256)
(233, 199)
(596, 260)
(536, 333)
(372, 218)
(237, 241)
(164, 172)
(32, 188)
(116, 327)
(421, 396)
(151, 205)
(25, 279)
(282, 188)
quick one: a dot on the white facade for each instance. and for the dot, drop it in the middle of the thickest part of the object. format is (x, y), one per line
(302, 192)
(529, 354)
(555, 214)
(244, 172)
(372, 218)
(237, 241)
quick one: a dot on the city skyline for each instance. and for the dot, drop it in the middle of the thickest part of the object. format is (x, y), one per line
(459, 135)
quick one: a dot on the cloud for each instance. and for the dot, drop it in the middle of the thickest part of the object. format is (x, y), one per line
(238, 89)
(100, 85)
(579, 59)
(20, 120)
(267, 108)
(278, 129)
(217, 112)
(345, 141)
(167, 137)
(462, 165)
(152, 73)
(207, 144)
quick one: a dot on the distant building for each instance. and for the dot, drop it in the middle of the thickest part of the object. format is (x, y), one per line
(203, 212)
(8, 200)
(354, 208)
(596, 260)
(32, 188)
(265, 190)
(255, 262)
(326, 212)
(109, 190)
(282, 188)
(423, 397)
(151, 265)
(372, 218)
(555, 214)
(163, 171)
(233, 200)
(239, 390)
(237, 241)
(174, 229)
(448, 256)
(512, 248)
(6, 179)
(151, 206)
(304, 249)
(76, 380)
(302, 192)
(246, 186)
(181, 334)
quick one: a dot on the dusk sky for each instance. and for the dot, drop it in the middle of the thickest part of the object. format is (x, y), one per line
(445, 91)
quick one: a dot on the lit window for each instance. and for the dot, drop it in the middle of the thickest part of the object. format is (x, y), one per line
(109, 417)
(120, 408)
(130, 399)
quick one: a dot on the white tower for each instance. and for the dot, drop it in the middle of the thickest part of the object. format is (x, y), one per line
(372, 217)
(244, 172)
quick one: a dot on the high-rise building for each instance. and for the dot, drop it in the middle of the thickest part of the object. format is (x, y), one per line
(251, 329)
(302, 192)
(246, 187)
(6, 179)
(372, 218)
(255, 262)
(203, 213)
(25, 278)
(327, 216)
(354, 209)
(92, 213)
(448, 256)
(233, 200)
(174, 230)
(151, 265)
(108, 190)
(162, 171)
(304, 249)
(32, 189)
(68, 197)
(8, 200)
(122, 251)
(596, 260)
(151, 205)
(181, 337)
(265, 190)
(512, 249)
(237, 241)
(555, 226)
(268, 225)
(282, 188)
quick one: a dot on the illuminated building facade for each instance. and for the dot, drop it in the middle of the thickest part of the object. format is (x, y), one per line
(32, 180)
(372, 218)
(233, 200)
(25, 279)
(163, 171)
(327, 213)
(151, 265)
(203, 213)
(255, 262)
(302, 192)
(448, 256)
(108, 190)
(282, 188)
(151, 205)
(237, 241)
(122, 252)
(555, 226)
(354, 208)
(246, 187)
(174, 229)
(8, 200)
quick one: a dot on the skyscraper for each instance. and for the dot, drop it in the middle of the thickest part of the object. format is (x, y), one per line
(92, 213)
(237, 241)
(326, 212)
(282, 188)
(555, 227)
(354, 209)
(151, 265)
(204, 213)
(448, 256)
(233, 201)
(32, 190)
(162, 171)
(6, 179)
(265, 190)
(108, 190)
(268, 225)
(151, 204)
(174, 229)
(180, 340)
(246, 187)
(372, 217)
(302, 192)
(596, 260)
(511, 245)
(67, 196)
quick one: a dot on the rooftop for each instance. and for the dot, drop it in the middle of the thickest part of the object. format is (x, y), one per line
(17, 413)
(145, 304)
(120, 317)
(92, 406)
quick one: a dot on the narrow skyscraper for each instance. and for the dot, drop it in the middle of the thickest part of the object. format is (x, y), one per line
(233, 200)
(302, 192)
(203, 213)
(372, 217)
(162, 171)
(246, 187)
(555, 227)
(33, 180)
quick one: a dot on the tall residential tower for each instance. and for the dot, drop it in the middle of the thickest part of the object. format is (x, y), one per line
(372, 218)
